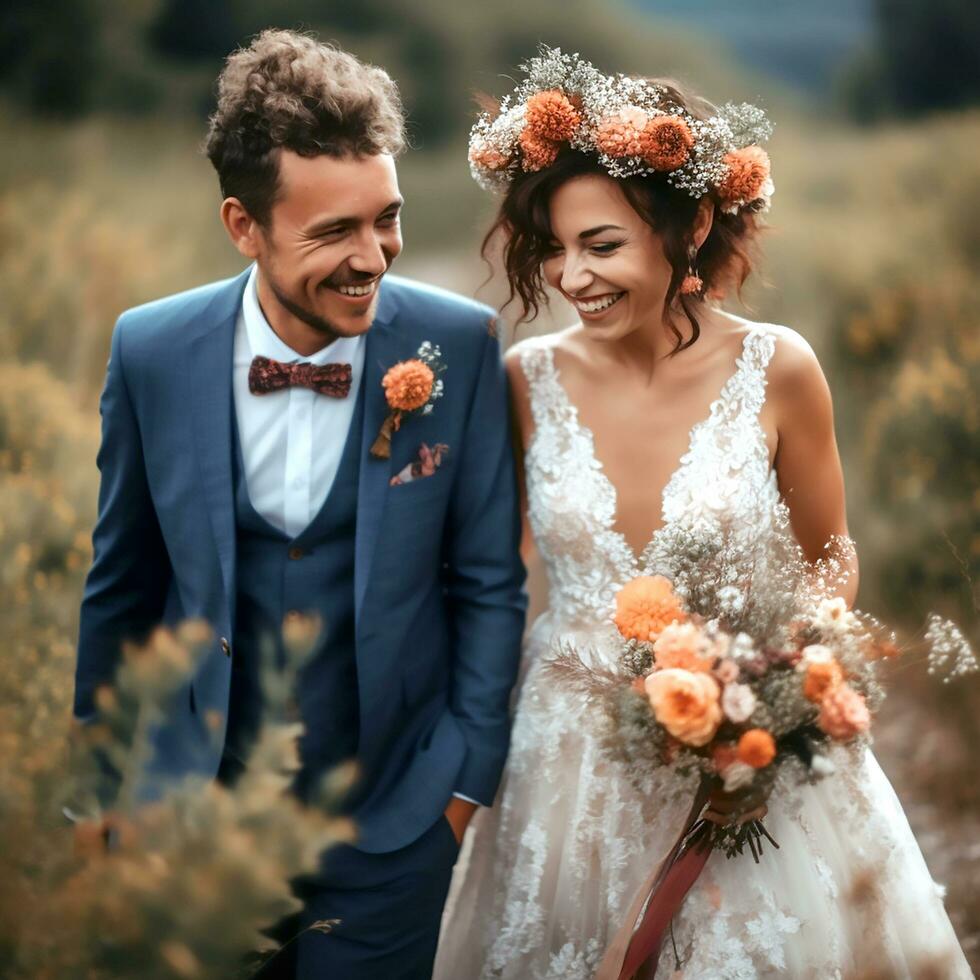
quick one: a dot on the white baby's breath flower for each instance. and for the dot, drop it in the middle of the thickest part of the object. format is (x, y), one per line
(742, 647)
(738, 702)
(815, 653)
(834, 617)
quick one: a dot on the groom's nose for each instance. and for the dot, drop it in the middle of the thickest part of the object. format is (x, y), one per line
(371, 255)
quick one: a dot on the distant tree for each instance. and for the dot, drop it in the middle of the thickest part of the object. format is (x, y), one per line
(49, 54)
(925, 58)
(188, 30)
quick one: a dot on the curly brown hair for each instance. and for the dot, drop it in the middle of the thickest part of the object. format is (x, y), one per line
(288, 90)
(523, 221)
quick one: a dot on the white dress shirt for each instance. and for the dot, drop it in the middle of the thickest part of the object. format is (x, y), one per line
(291, 440)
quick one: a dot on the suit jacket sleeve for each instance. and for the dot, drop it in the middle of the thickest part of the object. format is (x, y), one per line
(485, 582)
(126, 588)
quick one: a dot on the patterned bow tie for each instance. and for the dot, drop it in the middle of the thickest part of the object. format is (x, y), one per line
(267, 375)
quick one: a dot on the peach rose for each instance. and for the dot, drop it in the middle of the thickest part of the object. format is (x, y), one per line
(821, 678)
(843, 713)
(621, 135)
(756, 748)
(681, 645)
(686, 704)
(645, 605)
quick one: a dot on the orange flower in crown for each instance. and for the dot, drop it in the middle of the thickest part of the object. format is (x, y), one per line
(410, 387)
(551, 116)
(633, 125)
(667, 142)
(537, 153)
(645, 606)
(747, 178)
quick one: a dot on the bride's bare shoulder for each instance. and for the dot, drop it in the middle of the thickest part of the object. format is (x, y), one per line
(795, 379)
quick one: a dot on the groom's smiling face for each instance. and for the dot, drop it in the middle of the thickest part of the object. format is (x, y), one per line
(333, 233)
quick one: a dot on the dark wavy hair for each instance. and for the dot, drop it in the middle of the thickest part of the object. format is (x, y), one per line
(523, 221)
(287, 90)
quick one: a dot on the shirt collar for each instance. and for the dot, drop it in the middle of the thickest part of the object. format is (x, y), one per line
(265, 342)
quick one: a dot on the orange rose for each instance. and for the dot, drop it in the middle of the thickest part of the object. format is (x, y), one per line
(822, 677)
(756, 748)
(686, 704)
(844, 713)
(679, 645)
(645, 605)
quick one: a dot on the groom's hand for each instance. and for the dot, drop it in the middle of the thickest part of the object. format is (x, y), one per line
(459, 813)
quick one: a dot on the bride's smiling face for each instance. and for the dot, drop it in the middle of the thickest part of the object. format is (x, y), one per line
(606, 260)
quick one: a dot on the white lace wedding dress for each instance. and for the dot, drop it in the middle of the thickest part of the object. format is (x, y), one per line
(546, 875)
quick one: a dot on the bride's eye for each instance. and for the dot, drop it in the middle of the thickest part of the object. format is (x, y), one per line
(552, 249)
(604, 248)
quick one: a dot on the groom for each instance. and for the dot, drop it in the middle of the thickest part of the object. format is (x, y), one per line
(238, 485)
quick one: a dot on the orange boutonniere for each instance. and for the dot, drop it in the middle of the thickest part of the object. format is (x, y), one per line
(410, 387)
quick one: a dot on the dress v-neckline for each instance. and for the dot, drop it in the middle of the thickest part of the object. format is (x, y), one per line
(640, 561)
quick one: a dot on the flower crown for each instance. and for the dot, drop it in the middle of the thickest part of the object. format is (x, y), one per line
(632, 125)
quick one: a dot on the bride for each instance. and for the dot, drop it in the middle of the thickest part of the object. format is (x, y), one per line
(655, 421)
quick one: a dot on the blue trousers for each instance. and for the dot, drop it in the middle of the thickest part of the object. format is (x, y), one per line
(389, 907)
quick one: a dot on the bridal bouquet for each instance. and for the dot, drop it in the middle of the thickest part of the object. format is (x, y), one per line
(702, 698)
(735, 708)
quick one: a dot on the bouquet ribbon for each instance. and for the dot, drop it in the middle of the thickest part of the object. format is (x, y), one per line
(662, 894)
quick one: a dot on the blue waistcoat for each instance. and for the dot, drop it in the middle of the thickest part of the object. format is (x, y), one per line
(311, 574)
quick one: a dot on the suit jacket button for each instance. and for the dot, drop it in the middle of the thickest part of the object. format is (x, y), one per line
(295, 553)
(225, 647)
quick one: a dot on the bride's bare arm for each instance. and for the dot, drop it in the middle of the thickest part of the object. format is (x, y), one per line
(807, 460)
(521, 427)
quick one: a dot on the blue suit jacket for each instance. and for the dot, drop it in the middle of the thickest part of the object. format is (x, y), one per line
(438, 581)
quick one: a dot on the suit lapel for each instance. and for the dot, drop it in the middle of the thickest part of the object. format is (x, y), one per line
(383, 349)
(209, 397)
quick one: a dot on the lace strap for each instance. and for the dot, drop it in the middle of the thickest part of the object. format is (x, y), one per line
(750, 379)
(548, 404)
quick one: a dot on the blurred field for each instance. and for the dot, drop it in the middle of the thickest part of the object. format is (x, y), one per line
(872, 256)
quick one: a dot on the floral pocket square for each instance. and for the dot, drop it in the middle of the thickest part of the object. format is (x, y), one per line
(429, 460)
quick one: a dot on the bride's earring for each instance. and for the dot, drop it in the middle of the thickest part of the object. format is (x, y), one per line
(691, 284)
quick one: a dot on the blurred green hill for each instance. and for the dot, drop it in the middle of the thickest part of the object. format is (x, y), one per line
(72, 57)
